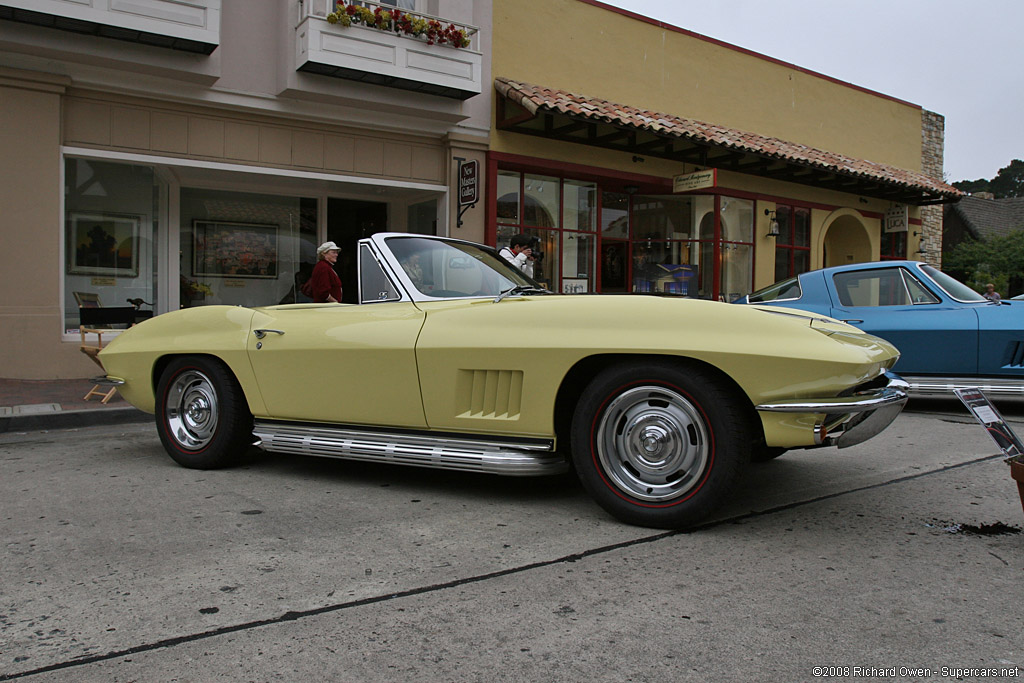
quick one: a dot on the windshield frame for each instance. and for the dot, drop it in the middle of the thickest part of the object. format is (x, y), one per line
(947, 282)
(485, 255)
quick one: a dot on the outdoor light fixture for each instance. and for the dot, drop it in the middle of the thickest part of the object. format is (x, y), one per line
(773, 223)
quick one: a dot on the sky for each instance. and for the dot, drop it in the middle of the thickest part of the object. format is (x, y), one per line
(961, 59)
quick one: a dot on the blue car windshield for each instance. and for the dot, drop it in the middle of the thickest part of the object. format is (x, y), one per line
(780, 291)
(953, 287)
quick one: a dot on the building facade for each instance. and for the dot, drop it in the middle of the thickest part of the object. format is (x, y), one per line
(646, 158)
(184, 153)
(197, 152)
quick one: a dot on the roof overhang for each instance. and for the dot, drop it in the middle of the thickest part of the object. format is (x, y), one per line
(560, 115)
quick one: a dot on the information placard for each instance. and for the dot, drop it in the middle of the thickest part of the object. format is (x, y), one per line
(991, 420)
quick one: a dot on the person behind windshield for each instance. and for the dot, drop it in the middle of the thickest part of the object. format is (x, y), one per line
(519, 253)
(990, 292)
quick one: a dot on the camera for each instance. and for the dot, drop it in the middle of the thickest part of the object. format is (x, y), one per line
(535, 253)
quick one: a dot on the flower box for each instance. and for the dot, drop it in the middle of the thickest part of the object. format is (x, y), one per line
(388, 57)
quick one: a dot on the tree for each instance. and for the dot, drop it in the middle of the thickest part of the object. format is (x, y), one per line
(999, 260)
(973, 186)
(1009, 182)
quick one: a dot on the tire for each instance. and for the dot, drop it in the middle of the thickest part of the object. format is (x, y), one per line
(659, 444)
(201, 414)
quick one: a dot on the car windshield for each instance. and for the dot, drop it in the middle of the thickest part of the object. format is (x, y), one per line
(448, 270)
(785, 290)
(953, 287)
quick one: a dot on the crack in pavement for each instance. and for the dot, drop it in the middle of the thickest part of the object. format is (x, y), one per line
(167, 643)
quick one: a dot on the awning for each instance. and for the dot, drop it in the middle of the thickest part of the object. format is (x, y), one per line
(561, 115)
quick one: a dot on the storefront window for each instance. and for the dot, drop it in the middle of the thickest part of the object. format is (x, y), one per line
(579, 205)
(508, 197)
(894, 246)
(110, 226)
(244, 249)
(614, 215)
(666, 251)
(577, 262)
(793, 245)
(540, 207)
(737, 225)
(560, 215)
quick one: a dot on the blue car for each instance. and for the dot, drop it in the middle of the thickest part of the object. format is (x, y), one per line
(949, 335)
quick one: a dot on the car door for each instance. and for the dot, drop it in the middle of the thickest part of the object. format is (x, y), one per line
(1001, 339)
(935, 335)
(342, 363)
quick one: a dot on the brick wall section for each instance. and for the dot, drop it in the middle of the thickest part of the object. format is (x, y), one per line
(933, 133)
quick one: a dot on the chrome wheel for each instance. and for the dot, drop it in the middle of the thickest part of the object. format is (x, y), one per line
(653, 443)
(191, 410)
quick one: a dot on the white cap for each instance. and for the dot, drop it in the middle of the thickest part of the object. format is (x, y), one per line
(327, 246)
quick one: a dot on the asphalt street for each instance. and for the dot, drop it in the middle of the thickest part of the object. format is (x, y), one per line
(899, 556)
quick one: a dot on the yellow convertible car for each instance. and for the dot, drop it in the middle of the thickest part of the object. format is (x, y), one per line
(455, 359)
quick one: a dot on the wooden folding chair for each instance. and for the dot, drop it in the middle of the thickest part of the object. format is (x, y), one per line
(90, 320)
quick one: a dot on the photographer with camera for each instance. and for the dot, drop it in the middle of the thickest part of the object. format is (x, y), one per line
(519, 253)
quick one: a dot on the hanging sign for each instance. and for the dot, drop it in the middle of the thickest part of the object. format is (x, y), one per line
(897, 218)
(698, 180)
(469, 182)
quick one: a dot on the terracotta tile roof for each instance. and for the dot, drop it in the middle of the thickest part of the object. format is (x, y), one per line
(536, 99)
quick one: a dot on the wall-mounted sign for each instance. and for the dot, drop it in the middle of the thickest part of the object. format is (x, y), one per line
(469, 182)
(698, 180)
(897, 218)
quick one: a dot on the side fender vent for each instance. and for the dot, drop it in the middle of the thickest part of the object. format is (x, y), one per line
(1016, 355)
(490, 394)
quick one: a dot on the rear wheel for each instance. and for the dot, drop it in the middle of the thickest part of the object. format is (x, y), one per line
(201, 413)
(659, 444)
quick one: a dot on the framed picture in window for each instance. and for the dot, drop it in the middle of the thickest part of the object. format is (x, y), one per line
(236, 250)
(101, 243)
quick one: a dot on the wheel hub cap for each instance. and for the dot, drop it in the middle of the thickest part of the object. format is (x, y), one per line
(191, 411)
(653, 443)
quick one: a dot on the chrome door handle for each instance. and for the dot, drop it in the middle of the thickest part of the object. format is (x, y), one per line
(848, 322)
(261, 333)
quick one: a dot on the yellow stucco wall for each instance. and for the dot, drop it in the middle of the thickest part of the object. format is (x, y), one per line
(575, 46)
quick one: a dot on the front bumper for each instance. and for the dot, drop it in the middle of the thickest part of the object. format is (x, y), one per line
(849, 420)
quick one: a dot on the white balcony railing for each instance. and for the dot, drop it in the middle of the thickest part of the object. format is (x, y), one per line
(189, 25)
(387, 58)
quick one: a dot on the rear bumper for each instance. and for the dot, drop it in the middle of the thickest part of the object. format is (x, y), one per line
(849, 420)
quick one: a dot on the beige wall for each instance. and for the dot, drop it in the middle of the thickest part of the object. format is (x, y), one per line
(31, 226)
(108, 122)
(571, 45)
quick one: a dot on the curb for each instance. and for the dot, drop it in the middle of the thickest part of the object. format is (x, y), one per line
(71, 419)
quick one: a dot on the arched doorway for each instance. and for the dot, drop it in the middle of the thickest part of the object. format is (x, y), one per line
(846, 240)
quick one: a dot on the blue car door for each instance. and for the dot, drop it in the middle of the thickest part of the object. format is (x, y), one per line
(935, 336)
(1001, 339)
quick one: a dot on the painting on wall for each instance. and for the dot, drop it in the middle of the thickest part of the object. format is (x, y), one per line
(237, 250)
(103, 244)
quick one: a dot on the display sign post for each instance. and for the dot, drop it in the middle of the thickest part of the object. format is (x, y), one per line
(991, 420)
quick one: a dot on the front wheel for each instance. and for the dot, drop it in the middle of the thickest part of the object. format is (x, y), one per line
(658, 444)
(201, 413)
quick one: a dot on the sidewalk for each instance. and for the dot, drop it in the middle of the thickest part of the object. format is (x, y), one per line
(33, 405)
